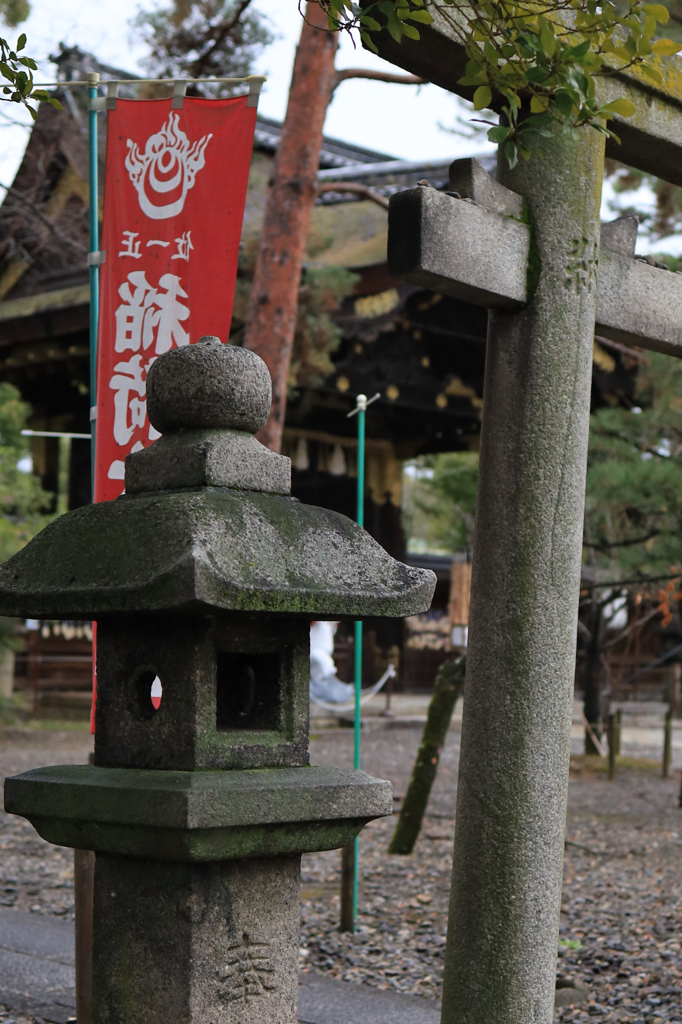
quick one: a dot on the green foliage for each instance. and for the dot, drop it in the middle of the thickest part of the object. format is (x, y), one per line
(633, 514)
(317, 336)
(18, 74)
(439, 501)
(22, 500)
(544, 56)
(202, 38)
(665, 218)
(13, 12)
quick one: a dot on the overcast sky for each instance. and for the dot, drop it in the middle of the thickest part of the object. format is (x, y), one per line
(402, 121)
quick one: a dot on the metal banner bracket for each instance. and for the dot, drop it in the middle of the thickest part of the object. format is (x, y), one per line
(96, 259)
(179, 89)
(255, 86)
(107, 102)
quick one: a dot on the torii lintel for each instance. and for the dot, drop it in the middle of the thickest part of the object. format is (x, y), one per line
(651, 140)
(637, 303)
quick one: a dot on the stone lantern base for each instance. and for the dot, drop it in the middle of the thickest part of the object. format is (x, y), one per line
(196, 943)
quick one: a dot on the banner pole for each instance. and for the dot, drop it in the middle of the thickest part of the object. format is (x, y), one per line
(361, 403)
(84, 860)
(93, 265)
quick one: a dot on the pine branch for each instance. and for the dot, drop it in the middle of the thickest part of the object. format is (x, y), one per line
(638, 624)
(377, 76)
(622, 436)
(353, 188)
(607, 545)
(222, 33)
(40, 216)
(635, 581)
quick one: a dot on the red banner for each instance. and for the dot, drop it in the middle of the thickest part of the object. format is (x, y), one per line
(173, 205)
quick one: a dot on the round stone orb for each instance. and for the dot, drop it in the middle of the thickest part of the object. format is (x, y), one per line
(207, 386)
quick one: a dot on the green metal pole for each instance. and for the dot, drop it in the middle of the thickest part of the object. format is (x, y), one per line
(93, 266)
(361, 407)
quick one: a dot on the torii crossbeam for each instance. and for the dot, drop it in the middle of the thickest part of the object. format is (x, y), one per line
(528, 247)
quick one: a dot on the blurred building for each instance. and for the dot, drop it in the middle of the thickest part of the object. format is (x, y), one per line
(422, 352)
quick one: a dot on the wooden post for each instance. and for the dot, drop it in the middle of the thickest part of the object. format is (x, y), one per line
(346, 922)
(619, 728)
(674, 695)
(612, 741)
(83, 880)
(447, 688)
(667, 744)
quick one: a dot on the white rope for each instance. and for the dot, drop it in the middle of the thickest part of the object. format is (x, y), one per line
(390, 673)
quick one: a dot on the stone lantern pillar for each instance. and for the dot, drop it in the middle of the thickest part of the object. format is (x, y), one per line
(205, 575)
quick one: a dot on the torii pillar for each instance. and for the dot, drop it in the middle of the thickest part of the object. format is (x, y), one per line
(528, 248)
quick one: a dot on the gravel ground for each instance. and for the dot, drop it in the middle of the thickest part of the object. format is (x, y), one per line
(621, 935)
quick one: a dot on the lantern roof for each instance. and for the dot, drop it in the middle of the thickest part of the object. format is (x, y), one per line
(207, 523)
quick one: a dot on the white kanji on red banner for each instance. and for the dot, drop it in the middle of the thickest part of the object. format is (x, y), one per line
(149, 315)
(174, 198)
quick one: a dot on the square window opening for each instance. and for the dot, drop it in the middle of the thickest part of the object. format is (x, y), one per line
(248, 694)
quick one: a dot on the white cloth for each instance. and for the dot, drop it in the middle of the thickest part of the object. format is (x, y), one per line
(324, 684)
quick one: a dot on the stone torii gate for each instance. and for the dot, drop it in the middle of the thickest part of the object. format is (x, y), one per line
(528, 248)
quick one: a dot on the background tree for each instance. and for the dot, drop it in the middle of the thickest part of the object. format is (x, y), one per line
(271, 318)
(13, 12)
(202, 39)
(633, 519)
(23, 502)
(439, 501)
(221, 38)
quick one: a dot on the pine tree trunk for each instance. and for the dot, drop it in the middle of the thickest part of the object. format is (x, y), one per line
(447, 688)
(271, 315)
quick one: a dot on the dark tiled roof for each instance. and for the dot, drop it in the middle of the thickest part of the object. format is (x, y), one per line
(334, 154)
(391, 176)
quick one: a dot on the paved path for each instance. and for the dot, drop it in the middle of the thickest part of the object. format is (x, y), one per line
(36, 965)
(36, 977)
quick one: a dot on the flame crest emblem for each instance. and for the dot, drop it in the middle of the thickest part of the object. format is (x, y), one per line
(169, 163)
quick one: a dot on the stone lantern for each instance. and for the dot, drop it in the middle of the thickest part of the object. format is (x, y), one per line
(204, 575)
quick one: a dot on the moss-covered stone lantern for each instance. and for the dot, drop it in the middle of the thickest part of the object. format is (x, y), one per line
(205, 575)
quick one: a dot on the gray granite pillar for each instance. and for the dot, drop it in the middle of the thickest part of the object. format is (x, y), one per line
(205, 943)
(501, 953)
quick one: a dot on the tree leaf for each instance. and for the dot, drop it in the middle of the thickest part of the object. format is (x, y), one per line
(657, 11)
(547, 38)
(564, 103)
(511, 152)
(423, 16)
(410, 31)
(621, 106)
(368, 42)
(652, 73)
(666, 47)
(499, 133)
(482, 97)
